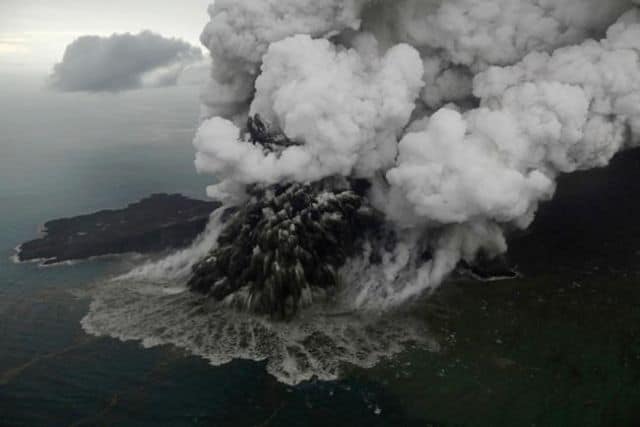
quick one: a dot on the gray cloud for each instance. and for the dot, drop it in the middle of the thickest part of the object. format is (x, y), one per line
(122, 62)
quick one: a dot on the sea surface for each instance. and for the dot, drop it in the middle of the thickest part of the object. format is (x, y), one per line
(560, 346)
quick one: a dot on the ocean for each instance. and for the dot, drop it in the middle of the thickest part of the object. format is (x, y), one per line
(560, 346)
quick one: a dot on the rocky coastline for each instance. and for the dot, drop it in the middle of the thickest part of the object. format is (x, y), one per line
(157, 223)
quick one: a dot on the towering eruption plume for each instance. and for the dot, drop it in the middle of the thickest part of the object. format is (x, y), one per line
(459, 115)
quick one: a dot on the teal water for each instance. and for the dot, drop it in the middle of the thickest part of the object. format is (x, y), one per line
(61, 155)
(560, 347)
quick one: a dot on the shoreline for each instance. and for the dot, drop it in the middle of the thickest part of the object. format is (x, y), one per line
(157, 223)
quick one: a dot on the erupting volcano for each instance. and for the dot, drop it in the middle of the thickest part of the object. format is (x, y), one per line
(364, 151)
(398, 138)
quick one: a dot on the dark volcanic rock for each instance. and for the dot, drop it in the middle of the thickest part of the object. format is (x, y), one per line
(157, 223)
(286, 243)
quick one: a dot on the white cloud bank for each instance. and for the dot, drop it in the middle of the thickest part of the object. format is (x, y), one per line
(124, 62)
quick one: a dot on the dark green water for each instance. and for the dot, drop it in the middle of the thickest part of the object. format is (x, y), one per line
(560, 347)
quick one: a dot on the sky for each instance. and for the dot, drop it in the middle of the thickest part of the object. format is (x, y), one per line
(34, 33)
(86, 146)
(44, 126)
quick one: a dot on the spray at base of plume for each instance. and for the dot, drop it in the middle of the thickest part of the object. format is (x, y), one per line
(416, 264)
(178, 266)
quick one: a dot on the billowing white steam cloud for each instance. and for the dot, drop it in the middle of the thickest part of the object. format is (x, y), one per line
(349, 122)
(125, 61)
(240, 33)
(534, 88)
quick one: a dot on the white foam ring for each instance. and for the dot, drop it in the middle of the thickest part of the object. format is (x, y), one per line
(316, 344)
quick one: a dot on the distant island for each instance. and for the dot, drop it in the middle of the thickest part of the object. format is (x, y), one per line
(154, 224)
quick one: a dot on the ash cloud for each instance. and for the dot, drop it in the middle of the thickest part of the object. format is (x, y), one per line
(461, 113)
(125, 61)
